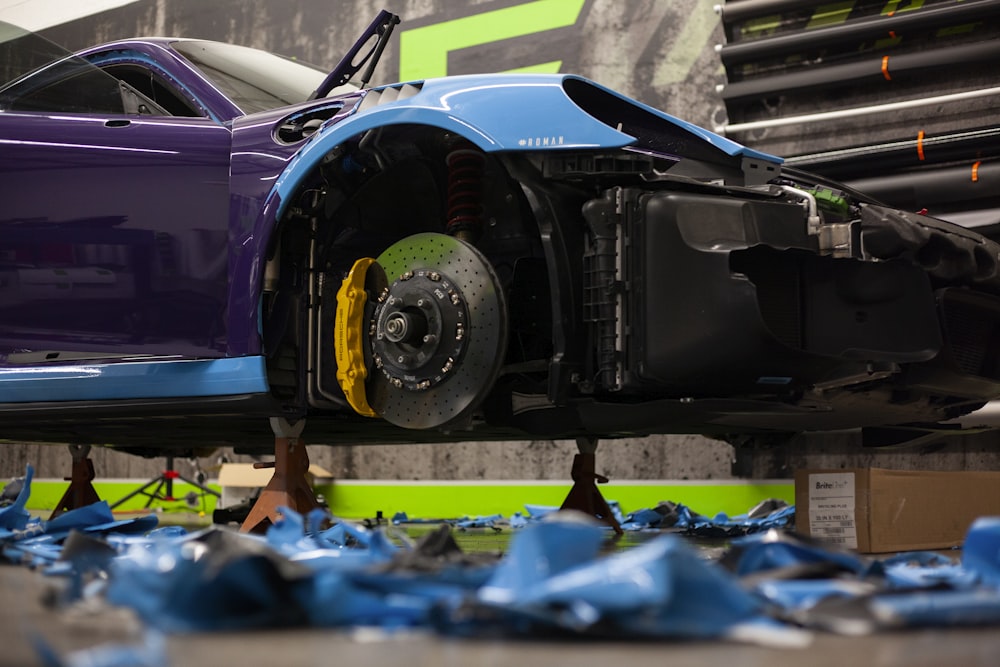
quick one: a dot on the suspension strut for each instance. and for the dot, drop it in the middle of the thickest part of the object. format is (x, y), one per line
(466, 168)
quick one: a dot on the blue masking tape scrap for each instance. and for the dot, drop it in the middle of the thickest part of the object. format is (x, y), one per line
(802, 594)
(97, 514)
(210, 580)
(936, 608)
(538, 553)
(534, 513)
(761, 552)
(679, 517)
(14, 517)
(30, 540)
(490, 521)
(981, 551)
(722, 525)
(555, 579)
(464, 523)
(926, 569)
(917, 589)
(972, 596)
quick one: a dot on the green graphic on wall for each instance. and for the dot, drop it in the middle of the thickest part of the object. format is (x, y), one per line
(423, 52)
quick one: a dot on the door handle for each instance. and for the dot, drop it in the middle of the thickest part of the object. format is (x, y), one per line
(118, 122)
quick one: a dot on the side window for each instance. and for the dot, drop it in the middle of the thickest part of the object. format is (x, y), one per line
(153, 87)
(70, 85)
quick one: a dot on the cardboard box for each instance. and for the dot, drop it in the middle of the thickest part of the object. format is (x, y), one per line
(877, 511)
(239, 481)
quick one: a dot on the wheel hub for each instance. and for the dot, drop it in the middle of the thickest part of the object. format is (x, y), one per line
(438, 333)
(419, 330)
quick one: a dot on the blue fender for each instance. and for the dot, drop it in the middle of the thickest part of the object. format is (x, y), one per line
(496, 112)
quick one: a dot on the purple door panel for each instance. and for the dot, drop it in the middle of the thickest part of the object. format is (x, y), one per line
(113, 234)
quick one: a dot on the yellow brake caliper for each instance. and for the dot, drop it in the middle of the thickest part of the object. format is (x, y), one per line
(348, 341)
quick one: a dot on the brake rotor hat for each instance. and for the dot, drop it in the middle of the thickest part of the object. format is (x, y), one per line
(438, 334)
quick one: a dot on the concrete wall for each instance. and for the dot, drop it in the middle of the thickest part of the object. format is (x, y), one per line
(675, 457)
(661, 457)
(658, 51)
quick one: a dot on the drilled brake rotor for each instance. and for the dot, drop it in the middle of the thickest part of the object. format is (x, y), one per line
(438, 334)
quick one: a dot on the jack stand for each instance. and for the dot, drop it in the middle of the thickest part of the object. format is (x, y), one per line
(288, 486)
(163, 487)
(585, 496)
(80, 492)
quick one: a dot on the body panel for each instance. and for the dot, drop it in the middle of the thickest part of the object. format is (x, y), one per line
(133, 380)
(114, 234)
(496, 113)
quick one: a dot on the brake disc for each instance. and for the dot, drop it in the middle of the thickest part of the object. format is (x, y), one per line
(438, 333)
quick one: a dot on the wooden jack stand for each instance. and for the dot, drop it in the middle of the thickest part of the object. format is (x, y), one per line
(80, 492)
(288, 486)
(585, 496)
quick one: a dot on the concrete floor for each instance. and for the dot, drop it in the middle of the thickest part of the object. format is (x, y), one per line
(22, 614)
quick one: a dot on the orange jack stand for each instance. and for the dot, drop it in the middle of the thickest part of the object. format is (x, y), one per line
(80, 492)
(585, 496)
(288, 486)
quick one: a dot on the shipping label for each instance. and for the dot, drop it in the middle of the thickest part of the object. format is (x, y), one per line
(831, 509)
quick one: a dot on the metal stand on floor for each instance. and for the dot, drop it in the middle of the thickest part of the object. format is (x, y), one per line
(288, 486)
(161, 487)
(585, 496)
(80, 492)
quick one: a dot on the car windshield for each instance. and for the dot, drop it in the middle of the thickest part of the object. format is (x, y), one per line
(254, 80)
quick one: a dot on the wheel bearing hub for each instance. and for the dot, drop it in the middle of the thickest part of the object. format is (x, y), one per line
(419, 330)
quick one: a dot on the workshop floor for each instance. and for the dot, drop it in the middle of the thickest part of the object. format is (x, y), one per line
(23, 615)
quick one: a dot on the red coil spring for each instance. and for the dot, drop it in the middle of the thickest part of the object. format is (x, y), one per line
(465, 191)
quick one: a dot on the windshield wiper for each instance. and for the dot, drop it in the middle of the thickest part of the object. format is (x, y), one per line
(381, 27)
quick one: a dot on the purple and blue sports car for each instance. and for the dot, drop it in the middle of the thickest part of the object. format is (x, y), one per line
(197, 237)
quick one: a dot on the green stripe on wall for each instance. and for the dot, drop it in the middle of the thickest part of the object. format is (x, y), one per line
(352, 500)
(45, 495)
(356, 499)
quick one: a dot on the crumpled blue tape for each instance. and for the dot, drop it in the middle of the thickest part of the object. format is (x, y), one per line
(28, 539)
(981, 550)
(661, 588)
(554, 578)
(760, 552)
(14, 517)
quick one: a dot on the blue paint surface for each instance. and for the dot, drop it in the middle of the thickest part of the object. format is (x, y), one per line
(128, 380)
